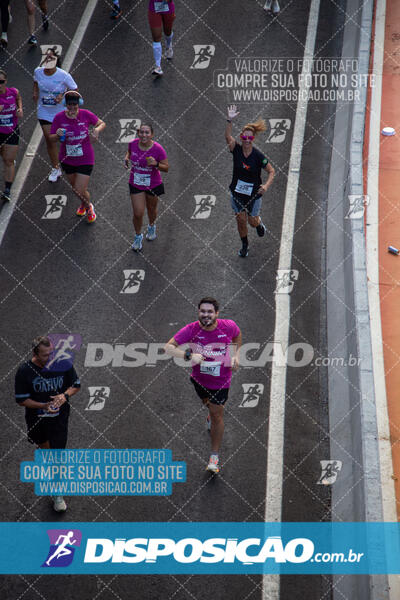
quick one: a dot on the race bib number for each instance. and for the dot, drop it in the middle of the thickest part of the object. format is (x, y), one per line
(74, 150)
(142, 179)
(161, 7)
(210, 368)
(43, 413)
(48, 101)
(243, 187)
(6, 121)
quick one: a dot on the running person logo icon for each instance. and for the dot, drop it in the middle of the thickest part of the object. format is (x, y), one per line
(62, 547)
(98, 396)
(357, 206)
(252, 394)
(203, 55)
(203, 206)
(48, 54)
(329, 471)
(278, 130)
(285, 280)
(65, 345)
(129, 128)
(54, 206)
(133, 279)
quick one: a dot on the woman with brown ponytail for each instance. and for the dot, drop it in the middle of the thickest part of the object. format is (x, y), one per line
(246, 187)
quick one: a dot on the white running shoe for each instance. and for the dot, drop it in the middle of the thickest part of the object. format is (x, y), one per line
(59, 504)
(151, 233)
(169, 52)
(268, 5)
(54, 174)
(213, 464)
(275, 7)
(157, 70)
(137, 242)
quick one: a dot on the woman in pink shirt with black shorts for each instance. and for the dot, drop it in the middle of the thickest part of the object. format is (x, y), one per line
(147, 159)
(71, 128)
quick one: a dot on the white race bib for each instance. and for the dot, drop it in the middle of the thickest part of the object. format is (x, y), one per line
(74, 150)
(142, 179)
(210, 368)
(243, 187)
(6, 121)
(161, 7)
(49, 101)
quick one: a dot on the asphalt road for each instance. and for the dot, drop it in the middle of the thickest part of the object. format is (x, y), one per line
(61, 275)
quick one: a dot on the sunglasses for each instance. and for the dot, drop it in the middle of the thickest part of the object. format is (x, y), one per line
(247, 137)
(2, 81)
(72, 102)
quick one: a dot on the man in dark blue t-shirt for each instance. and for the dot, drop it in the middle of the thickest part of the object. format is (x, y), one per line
(45, 394)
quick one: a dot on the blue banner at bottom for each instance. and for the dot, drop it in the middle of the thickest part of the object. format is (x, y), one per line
(208, 548)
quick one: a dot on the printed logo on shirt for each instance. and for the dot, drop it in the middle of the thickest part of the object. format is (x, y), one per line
(202, 56)
(128, 131)
(97, 397)
(278, 129)
(54, 206)
(203, 206)
(48, 50)
(247, 167)
(285, 280)
(62, 547)
(329, 471)
(132, 280)
(252, 393)
(357, 204)
(65, 345)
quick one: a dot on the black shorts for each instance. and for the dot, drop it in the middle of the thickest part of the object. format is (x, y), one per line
(157, 191)
(10, 139)
(49, 429)
(82, 169)
(44, 122)
(214, 396)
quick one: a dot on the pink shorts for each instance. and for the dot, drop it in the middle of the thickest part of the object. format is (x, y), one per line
(160, 20)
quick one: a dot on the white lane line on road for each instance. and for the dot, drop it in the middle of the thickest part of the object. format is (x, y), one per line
(372, 236)
(273, 508)
(36, 138)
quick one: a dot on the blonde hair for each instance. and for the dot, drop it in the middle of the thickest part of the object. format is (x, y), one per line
(256, 127)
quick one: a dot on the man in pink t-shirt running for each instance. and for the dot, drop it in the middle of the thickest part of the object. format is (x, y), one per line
(208, 341)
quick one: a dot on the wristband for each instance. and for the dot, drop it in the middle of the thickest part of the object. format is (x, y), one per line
(66, 396)
(187, 355)
(228, 121)
(158, 165)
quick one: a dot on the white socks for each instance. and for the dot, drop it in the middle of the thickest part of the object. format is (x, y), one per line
(168, 39)
(157, 51)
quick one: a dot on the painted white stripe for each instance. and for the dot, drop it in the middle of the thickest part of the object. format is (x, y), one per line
(34, 142)
(273, 508)
(372, 236)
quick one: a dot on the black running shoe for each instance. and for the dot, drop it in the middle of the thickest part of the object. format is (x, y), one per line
(6, 195)
(261, 229)
(244, 251)
(32, 41)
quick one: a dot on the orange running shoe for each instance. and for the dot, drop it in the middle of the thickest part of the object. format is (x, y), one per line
(91, 215)
(81, 211)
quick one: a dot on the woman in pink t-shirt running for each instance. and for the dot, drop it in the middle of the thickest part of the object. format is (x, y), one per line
(72, 128)
(147, 159)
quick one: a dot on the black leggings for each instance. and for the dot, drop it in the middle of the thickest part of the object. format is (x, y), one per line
(4, 15)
